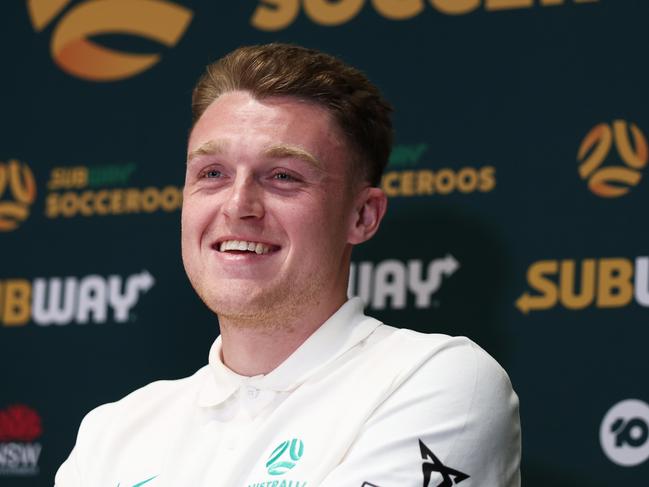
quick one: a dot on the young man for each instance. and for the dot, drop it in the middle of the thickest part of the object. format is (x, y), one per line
(302, 389)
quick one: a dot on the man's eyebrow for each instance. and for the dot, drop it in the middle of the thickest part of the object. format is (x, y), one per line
(286, 151)
(210, 147)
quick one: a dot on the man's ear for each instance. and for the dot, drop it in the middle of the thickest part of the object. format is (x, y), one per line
(369, 208)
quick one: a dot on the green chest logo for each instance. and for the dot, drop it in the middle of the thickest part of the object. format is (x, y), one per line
(285, 456)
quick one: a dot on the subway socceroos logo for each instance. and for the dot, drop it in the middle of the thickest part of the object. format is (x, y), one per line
(575, 285)
(275, 15)
(404, 180)
(82, 191)
(76, 54)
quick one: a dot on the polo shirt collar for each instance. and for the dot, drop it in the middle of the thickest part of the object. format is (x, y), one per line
(343, 330)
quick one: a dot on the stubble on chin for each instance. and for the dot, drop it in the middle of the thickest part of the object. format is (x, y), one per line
(273, 309)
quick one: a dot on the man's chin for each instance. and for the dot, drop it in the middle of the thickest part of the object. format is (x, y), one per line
(240, 303)
(247, 309)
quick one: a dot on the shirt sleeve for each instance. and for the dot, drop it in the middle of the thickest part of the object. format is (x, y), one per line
(69, 473)
(454, 421)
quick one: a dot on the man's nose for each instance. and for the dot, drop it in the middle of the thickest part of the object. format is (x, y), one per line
(245, 199)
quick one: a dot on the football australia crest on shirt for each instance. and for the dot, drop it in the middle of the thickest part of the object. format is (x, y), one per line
(281, 464)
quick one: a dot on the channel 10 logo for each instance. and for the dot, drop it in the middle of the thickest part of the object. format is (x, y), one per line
(624, 433)
(75, 53)
(613, 179)
(17, 193)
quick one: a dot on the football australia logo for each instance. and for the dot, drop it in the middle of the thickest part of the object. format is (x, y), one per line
(17, 193)
(618, 176)
(285, 456)
(75, 52)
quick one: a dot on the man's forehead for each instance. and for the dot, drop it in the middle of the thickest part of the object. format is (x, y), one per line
(241, 106)
(275, 127)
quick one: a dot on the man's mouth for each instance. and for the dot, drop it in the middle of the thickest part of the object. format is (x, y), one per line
(237, 246)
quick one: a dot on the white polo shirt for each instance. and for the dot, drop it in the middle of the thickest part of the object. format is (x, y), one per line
(358, 404)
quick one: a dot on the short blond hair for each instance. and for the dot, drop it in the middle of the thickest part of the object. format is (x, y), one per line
(288, 70)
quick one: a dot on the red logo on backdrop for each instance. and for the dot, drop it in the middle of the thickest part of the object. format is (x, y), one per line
(19, 423)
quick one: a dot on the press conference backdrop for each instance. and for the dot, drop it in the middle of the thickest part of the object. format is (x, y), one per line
(518, 200)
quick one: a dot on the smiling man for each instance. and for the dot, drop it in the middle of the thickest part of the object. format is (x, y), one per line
(302, 389)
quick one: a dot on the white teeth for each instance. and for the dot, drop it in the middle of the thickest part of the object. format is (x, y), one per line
(243, 245)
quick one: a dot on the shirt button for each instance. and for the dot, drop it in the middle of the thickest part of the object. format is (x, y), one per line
(253, 392)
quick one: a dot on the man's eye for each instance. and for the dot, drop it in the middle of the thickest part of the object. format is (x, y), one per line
(283, 176)
(212, 173)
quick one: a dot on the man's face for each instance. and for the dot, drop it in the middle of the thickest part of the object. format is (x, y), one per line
(267, 207)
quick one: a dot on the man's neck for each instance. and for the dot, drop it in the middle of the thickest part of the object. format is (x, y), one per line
(256, 349)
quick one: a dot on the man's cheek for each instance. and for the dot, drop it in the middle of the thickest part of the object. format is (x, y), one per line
(194, 213)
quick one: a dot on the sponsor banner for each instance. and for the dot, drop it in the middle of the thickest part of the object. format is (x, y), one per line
(66, 300)
(73, 27)
(612, 282)
(403, 179)
(612, 158)
(273, 15)
(17, 194)
(80, 191)
(393, 283)
(75, 50)
(87, 191)
(624, 433)
(20, 428)
(521, 127)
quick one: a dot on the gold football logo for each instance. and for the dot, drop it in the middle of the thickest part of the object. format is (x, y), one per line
(76, 54)
(613, 180)
(16, 181)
